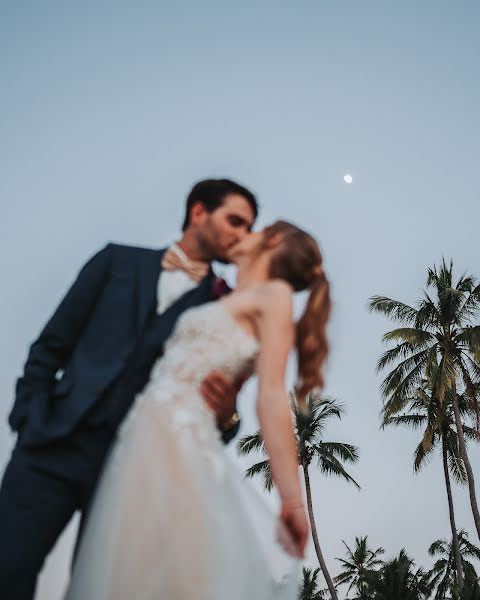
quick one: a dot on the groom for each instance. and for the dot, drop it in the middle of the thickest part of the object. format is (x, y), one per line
(68, 406)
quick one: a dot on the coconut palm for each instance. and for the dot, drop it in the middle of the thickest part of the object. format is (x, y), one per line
(358, 563)
(398, 580)
(424, 410)
(309, 430)
(443, 572)
(439, 340)
(471, 588)
(309, 587)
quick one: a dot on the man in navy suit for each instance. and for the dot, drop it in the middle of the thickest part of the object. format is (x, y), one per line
(91, 359)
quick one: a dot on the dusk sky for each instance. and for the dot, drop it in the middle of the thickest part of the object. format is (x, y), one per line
(111, 111)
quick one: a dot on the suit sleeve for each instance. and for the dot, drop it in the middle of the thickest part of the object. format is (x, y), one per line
(229, 434)
(52, 349)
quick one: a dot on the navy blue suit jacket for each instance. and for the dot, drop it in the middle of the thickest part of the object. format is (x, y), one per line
(87, 342)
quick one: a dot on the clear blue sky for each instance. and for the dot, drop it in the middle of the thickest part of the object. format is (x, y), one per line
(110, 111)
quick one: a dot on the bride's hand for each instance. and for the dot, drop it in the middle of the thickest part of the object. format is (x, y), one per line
(294, 521)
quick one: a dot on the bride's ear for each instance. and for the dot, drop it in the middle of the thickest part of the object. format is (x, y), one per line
(274, 240)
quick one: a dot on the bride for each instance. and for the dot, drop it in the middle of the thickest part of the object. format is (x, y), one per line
(170, 520)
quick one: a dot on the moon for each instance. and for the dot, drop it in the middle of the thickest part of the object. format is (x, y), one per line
(347, 178)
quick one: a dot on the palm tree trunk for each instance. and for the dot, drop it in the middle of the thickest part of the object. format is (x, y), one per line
(456, 546)
(313, 527)
(466, 461)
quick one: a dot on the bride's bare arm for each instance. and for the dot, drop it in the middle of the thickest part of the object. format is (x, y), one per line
(277, 334)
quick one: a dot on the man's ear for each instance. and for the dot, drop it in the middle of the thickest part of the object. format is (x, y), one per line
(197, 213)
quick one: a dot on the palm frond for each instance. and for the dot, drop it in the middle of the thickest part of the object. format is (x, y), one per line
(330, 465)
(251, 443)
(470, 338)
(427, 314)
(405, 377)
(471, 392)
(471, 433)
(440, 546)
(413, 421)
(450, 300)
(470, 308)
(440, 278)
(310, 427)
(393, 309)
(455, 462)
(466, 283)
(420, 456)
(261, 469)
(345, 452)
(399, 352)
(469, 549)
(418, 338)
(391, 407)
(471, 366)
(445, 377)
(430, 436)
(309, 586)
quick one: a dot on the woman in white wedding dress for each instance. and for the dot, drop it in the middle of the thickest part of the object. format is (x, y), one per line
(171, 520)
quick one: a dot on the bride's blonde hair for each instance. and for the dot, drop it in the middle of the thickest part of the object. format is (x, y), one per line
(299, 262)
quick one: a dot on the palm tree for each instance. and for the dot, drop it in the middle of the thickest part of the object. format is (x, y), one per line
(358, 563)
(398, 580)
(309, 429)
(423, 409)
(438, 340)
(309, 586)
(471, 589)
(443, 573)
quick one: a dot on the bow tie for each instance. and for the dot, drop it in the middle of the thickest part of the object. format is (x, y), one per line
(175, 259)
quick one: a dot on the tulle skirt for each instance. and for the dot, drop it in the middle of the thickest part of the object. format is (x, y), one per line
(173, 519)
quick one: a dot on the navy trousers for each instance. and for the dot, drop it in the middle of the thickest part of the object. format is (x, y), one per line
(41, 490)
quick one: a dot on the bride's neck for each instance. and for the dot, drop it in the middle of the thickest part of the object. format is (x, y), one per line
(248, 275)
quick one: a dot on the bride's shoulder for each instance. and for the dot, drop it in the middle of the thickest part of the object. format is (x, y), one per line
(276, 295)
(276, 287)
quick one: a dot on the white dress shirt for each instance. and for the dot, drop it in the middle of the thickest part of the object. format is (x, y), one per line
(171, 285)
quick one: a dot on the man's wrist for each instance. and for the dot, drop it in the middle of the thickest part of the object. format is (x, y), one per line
(230, 423)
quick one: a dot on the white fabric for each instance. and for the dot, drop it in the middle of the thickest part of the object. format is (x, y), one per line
(172, 285)
(172, 520)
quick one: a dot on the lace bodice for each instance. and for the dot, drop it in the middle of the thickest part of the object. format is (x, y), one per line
(205, 339)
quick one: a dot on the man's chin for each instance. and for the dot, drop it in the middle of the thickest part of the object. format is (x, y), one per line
(223, 257)
(226, 259)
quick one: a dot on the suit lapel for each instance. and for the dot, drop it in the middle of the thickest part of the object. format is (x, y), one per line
(203, 292)
(165, 322)
(194, 297)
(148, 274)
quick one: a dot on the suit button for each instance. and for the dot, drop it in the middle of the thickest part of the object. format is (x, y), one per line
(99, 390)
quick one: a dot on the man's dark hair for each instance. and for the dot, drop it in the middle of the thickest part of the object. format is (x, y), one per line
(211, 193)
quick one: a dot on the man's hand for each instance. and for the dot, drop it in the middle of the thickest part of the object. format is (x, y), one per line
(220, 394)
